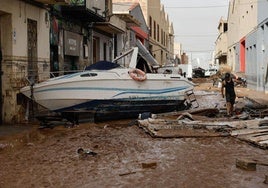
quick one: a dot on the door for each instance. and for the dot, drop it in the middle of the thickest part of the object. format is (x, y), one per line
(32, 50)
(242, 55)
(1, 58)
(32, 59)
(96, 49)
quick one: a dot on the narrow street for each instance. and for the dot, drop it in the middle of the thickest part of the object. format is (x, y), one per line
(65, 60)
(126, 157)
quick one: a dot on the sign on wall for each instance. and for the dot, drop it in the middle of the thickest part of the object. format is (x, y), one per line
(72, 43)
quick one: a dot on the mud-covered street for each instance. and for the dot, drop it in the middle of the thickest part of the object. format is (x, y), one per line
(126, 157)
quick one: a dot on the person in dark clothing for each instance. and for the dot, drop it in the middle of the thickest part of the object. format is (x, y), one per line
(228, 86)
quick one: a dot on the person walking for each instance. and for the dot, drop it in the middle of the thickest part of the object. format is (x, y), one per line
(228, 86)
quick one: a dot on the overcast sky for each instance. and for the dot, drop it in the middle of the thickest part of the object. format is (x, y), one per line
(195, 24)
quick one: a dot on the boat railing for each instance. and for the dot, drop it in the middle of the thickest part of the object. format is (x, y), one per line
(32, 78)
(55, 74)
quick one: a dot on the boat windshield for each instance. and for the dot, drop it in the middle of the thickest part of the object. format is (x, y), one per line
(103, 65)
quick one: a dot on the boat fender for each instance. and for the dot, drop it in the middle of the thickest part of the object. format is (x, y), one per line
(137, 74)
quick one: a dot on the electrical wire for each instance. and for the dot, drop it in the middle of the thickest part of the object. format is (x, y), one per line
(199, 7)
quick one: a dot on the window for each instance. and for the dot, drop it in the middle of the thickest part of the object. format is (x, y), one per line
(162, 35)
(150, 25)
(164, 42)
(158, 32)
(225, 27)
(154, 30)
(104, 51)
(89, 75)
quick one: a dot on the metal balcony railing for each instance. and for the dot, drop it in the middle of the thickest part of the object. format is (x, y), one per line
(78, 2)
(54, 2)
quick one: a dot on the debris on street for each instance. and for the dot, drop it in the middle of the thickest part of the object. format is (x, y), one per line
(191, 148)
(249, 164)
(250, 122)
(85, 153)
(254, 131)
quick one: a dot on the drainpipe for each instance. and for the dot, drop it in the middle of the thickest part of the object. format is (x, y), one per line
(90, 45)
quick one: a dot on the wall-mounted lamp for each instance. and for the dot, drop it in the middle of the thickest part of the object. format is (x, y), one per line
(46, 17)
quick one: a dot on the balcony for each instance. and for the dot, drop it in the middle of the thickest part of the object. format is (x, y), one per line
(79, 10)
(114, 26)
(54, 2)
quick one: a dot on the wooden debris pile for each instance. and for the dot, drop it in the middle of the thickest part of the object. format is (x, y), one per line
(201, 123)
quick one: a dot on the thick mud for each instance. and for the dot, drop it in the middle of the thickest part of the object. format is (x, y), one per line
(126, 157)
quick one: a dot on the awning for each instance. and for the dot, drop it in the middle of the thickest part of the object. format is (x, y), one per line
(221, 54)
(139, 32)
(146, 54)
(129, 19)
(108, 27)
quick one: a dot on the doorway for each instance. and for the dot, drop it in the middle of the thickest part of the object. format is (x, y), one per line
(54, 61)
(1, 58)
(32, 50)
(96, 51)
(32, 59)
(242, 55)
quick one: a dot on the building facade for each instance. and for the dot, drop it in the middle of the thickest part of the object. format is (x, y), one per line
(45, 38)
(136, 28)
(161, 34)
(40, 39)
(221, 43)
(242, 18)
(247, 41)
(24, 42)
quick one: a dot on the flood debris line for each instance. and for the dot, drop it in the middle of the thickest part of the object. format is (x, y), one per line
(204, 123)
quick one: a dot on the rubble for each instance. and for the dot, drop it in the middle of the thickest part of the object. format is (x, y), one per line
(250, 122)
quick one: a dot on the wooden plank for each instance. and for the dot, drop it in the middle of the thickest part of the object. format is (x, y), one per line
(259, 143)
(266, 179)
(246, 164)
(249, 164)
(264, 142)
(173, 129)
(256, 137)
(247, 131)
(200, 111)
(239, 124)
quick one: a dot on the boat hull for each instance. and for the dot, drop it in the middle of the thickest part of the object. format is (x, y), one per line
(104, 110)
(110, 94)
(78, 92)
(131, 109)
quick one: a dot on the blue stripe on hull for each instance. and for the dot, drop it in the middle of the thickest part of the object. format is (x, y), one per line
(121, 91)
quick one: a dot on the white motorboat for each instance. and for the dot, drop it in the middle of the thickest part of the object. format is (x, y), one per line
(113, 91)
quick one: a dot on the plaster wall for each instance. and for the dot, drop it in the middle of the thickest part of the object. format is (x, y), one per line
(14, 41)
